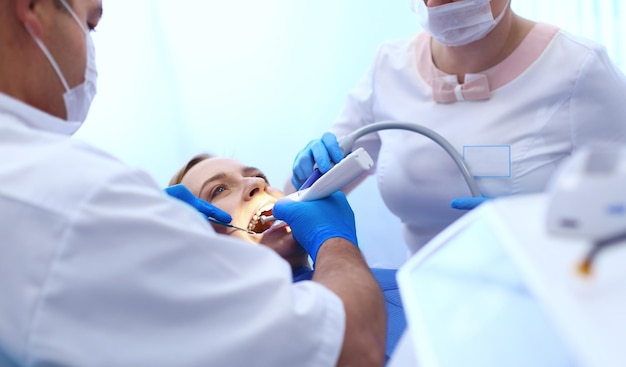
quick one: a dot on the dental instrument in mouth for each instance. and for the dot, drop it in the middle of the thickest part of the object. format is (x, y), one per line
(319, 186)
(270, 218)
(213, 220)
(266, 218)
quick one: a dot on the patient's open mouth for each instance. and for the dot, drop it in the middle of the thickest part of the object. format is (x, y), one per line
(256, 224)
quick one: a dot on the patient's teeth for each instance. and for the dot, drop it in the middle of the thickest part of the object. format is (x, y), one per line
(256, 225)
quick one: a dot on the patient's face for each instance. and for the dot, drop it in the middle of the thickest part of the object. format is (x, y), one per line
(244, 193)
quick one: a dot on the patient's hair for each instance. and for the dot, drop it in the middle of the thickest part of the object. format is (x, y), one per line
(178, 177)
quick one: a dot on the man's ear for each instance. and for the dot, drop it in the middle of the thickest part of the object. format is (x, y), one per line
(29, 13)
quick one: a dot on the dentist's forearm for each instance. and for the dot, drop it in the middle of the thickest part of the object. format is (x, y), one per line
(340, 266)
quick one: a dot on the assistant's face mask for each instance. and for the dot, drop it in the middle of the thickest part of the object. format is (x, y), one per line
(78, 99)
(458, 23)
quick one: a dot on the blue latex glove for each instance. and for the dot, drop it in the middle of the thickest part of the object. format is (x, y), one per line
(467, 203)
(324, 152)
(314, 222)
(182, 193)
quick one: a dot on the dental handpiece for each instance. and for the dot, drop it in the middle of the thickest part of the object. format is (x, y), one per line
(348, 170)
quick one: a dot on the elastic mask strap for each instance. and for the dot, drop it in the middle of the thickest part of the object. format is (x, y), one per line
(501, 15)
(49, 56)
(71, 11)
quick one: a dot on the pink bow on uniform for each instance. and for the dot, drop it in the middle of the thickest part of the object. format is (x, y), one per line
(446, 89)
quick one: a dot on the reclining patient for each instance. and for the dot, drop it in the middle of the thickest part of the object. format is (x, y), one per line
(244, 192)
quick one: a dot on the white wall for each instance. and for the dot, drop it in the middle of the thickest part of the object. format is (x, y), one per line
(258, 80)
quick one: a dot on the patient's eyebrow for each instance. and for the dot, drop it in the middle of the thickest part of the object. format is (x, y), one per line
(253, 171)
(219, 176)
(249, 169)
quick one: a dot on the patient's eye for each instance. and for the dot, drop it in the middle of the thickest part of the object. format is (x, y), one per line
(217, 190)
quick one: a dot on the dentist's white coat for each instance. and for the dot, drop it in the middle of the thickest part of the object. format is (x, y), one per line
(99, 267)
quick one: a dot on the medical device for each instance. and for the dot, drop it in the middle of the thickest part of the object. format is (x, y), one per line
(356, 163)
(502, 284)
(496, 288)
(468, 302)
(347, 142)
(588, 195)
(348, 170)
(213, 220)
(588, 198)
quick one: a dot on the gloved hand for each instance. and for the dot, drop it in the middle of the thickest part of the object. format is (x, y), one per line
(467, 203)
(324, 152)
(314, 222)
(182, 193)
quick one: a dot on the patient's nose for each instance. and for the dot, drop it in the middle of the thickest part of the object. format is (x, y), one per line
(254, 186)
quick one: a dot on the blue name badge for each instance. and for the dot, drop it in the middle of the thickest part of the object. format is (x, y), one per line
(488, 160)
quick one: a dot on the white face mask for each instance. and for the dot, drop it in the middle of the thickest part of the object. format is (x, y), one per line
(77, 99)
(457, 23)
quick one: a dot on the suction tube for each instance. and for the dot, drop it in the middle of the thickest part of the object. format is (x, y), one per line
(347, 142)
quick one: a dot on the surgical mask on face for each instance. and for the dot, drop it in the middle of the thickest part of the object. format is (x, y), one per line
(78, 99)
(458, 23)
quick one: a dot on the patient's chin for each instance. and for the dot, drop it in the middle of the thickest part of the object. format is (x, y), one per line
(281, 240)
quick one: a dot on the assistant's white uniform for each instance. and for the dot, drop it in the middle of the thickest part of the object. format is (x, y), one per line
(99, 267)
(554, 93)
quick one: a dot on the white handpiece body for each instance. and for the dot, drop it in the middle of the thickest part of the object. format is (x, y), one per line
(348, 170)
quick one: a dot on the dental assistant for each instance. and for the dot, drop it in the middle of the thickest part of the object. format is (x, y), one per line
(99, 267)
(513, 96)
